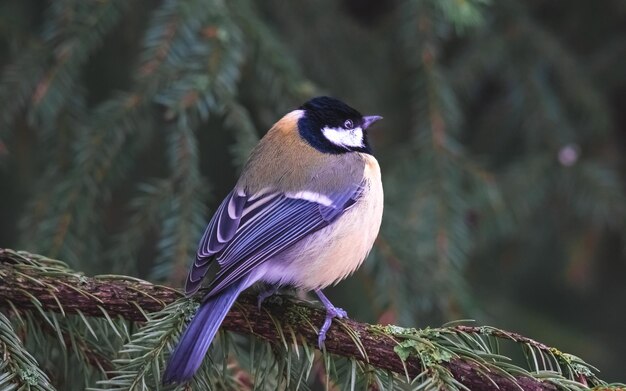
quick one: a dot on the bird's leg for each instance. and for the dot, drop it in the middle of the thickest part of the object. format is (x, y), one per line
(265, 294)
(331, 313)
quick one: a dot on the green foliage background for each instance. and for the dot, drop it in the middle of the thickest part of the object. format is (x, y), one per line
(124, 122)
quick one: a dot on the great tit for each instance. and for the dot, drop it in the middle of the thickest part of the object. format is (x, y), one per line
(304, 213)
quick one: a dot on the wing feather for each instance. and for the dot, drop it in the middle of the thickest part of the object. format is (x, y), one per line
(247, 230)
(217, 235)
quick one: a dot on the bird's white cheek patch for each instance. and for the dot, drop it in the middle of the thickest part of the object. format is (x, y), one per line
(343, 137)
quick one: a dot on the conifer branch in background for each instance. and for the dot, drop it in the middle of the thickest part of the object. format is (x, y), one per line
(17, 366)
(455, 354)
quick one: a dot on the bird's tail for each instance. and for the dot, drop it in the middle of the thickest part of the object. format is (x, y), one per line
(193, 345)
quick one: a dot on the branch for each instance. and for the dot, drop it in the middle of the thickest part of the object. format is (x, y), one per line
(24, 278)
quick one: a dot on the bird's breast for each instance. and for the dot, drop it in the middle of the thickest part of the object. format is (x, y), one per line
(334, 252)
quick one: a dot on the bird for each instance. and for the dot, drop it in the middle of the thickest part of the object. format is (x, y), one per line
(304, 213)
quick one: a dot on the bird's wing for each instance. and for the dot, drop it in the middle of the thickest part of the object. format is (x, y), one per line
(248, 230)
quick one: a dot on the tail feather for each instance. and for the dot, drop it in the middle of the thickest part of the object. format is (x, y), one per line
(193, 345)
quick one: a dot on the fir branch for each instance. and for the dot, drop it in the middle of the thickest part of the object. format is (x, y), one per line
(459, 355)
(151, 199)
(18, 369)
(17, 82)
(183, 217)
(45, 76)
(141, 355)
(181, 39)
(72, 33)
(437, 211)
(279, 76)
(238, 119)
(73, 340)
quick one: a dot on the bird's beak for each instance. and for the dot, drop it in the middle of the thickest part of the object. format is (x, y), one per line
(370, 119)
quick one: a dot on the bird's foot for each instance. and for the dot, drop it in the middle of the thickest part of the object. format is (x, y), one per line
(265, 294)
(331, 313)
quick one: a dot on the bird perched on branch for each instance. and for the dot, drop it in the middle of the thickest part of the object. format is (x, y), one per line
(304, 213)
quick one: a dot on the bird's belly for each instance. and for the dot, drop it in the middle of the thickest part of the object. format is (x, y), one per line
(332, 253)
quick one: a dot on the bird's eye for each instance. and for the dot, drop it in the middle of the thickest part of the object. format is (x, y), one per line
(348, 124)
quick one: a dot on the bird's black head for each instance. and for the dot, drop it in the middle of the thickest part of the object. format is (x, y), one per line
(331, 126)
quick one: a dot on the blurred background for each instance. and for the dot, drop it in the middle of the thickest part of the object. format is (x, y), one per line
(123, 123)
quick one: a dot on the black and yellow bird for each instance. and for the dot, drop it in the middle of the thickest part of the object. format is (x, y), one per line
(304, 213)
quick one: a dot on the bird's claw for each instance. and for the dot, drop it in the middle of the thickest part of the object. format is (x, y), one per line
(331, 313)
